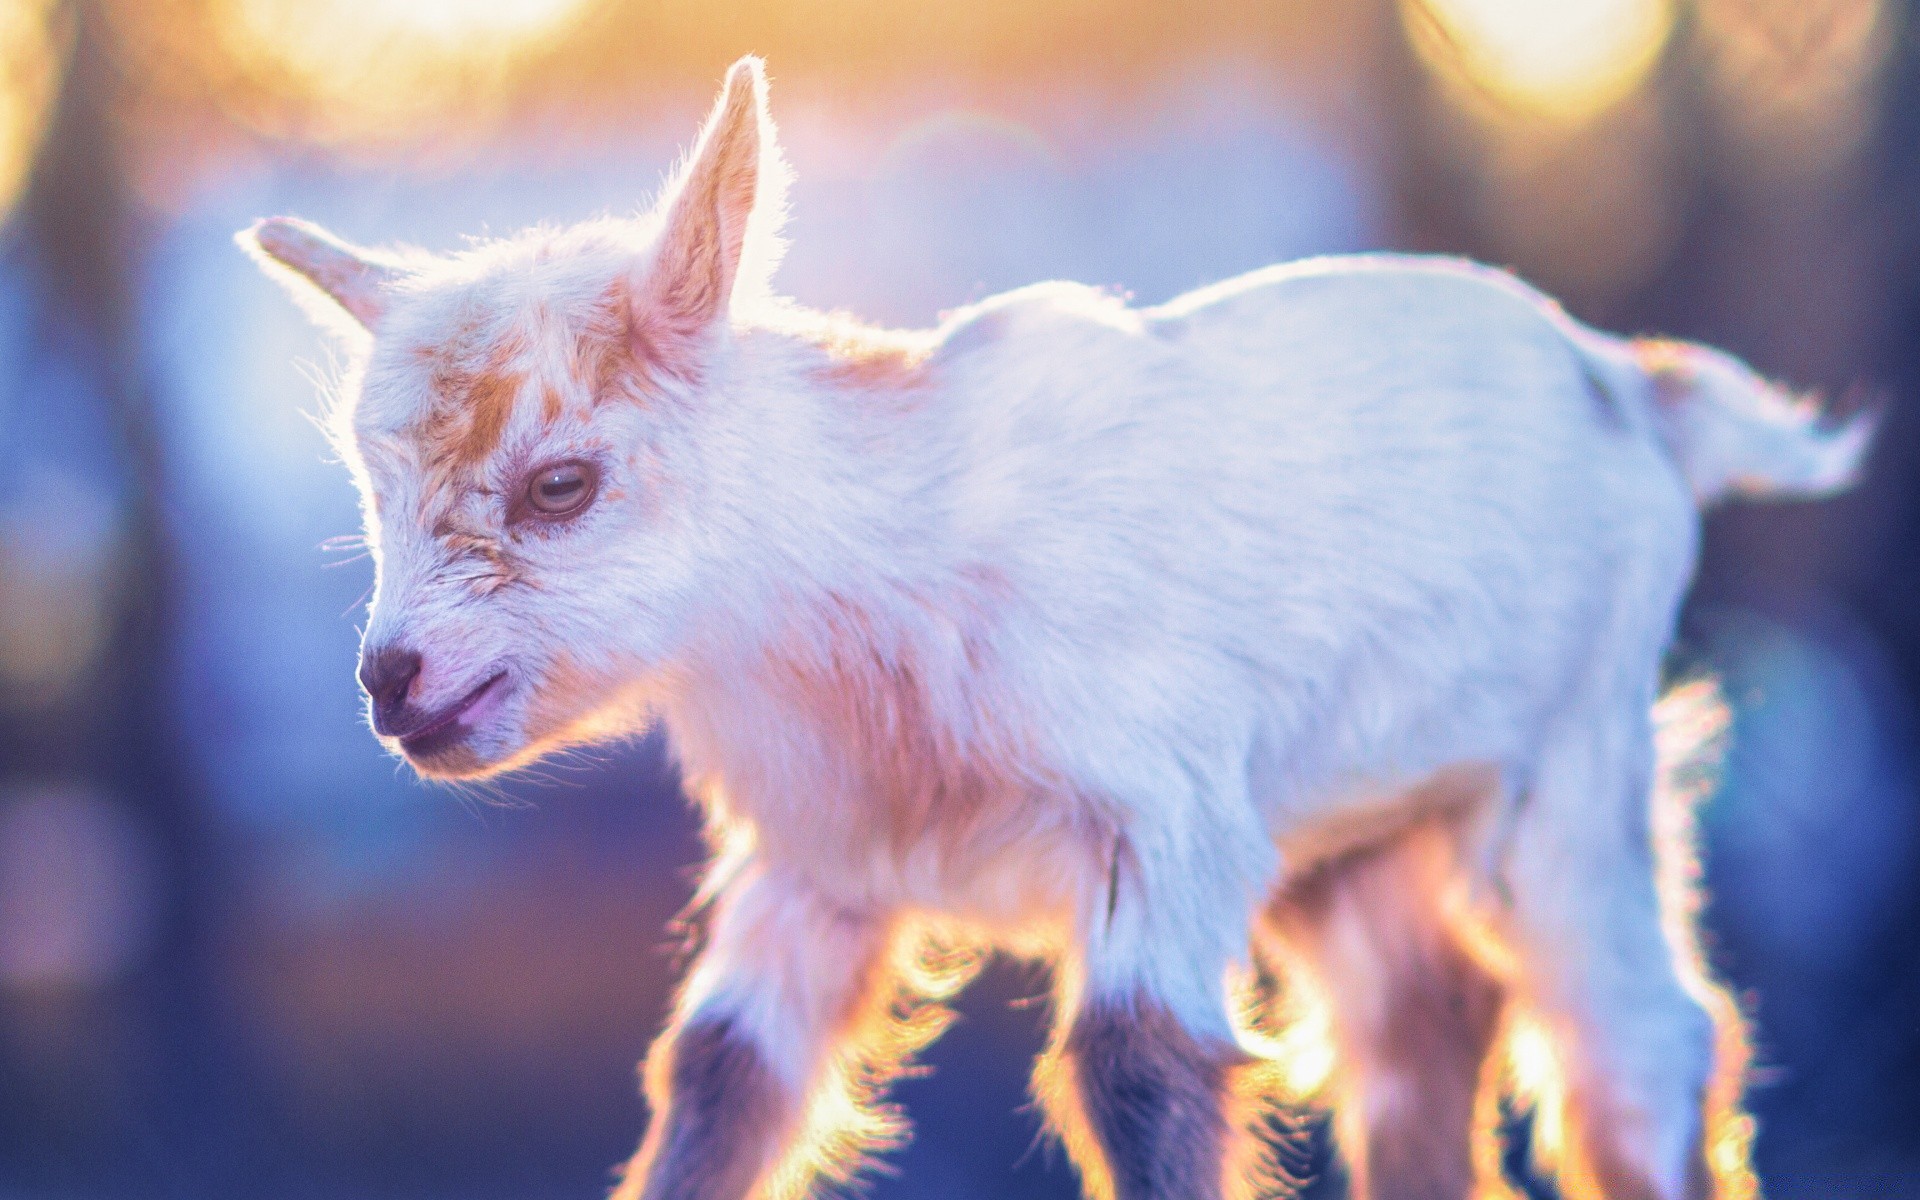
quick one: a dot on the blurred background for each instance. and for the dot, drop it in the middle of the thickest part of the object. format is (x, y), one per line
(242, 954)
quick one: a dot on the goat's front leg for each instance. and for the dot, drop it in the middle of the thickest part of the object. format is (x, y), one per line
(1140, 1080)
(783, 979)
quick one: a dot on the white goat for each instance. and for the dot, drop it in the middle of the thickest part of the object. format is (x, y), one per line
(1305, 627)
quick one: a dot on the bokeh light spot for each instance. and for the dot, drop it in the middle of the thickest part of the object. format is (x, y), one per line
(77, 889)
(30, 58)
(1794, 77)
(59, 552)
(1562, 60)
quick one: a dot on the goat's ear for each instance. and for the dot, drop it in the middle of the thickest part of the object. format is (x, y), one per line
(719, 220)
(315, 264)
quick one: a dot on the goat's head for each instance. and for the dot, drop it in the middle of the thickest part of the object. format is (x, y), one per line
(519, 420)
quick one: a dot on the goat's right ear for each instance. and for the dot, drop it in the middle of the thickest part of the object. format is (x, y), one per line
(719, 223)
(314, 264)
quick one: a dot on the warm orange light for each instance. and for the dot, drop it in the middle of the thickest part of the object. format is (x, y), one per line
(1539, 1086)
(1294, 1045)
(1691, 725)
(1561, 60)
(450, 22)
(30, 54)
(366, 67)
(848, 1120)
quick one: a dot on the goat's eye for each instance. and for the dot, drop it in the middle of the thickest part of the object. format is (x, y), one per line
(563, 489)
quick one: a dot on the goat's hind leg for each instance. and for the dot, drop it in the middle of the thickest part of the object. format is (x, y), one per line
(1414, 1014)
(1648, 1047)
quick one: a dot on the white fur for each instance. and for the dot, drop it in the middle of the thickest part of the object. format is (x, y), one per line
(1162, 601)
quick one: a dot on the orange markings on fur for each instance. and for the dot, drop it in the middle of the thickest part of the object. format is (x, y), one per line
(475, 381)
(490, 399)
(607, 353)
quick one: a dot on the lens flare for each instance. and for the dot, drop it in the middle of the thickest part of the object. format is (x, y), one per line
(1564, 60)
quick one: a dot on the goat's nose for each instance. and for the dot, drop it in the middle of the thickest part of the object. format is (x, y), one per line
(387, 674)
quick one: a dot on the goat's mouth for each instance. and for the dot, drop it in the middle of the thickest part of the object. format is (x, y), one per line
(436, 734)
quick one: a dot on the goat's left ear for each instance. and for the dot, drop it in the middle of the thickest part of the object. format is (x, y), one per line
(323, 267)
(720, 221)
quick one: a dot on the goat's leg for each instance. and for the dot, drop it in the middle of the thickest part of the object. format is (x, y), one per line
(1141, 1078)
(1646, 1044)
(1145, 1112)
(1413, 1013)
(773, 997)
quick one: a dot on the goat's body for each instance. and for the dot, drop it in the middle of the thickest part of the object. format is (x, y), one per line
(1312, 621)
(1175, 607)
(1239, 566)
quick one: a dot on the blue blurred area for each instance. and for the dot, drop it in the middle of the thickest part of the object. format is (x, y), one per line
(243, 952)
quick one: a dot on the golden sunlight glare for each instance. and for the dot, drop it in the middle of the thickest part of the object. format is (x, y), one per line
(369, 65)
(451, 22)
(1539, 1086)
(30, 55)
(1563, 60)
(437, 24)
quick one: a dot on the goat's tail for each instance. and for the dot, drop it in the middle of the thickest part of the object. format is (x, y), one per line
(1734, 433)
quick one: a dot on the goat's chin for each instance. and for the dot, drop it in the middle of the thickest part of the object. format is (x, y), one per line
(492, 753)
(482, 753)
(453, 765)
(467, 760)
(520, 737)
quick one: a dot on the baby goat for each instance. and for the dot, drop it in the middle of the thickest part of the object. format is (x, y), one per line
(1305, 628)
